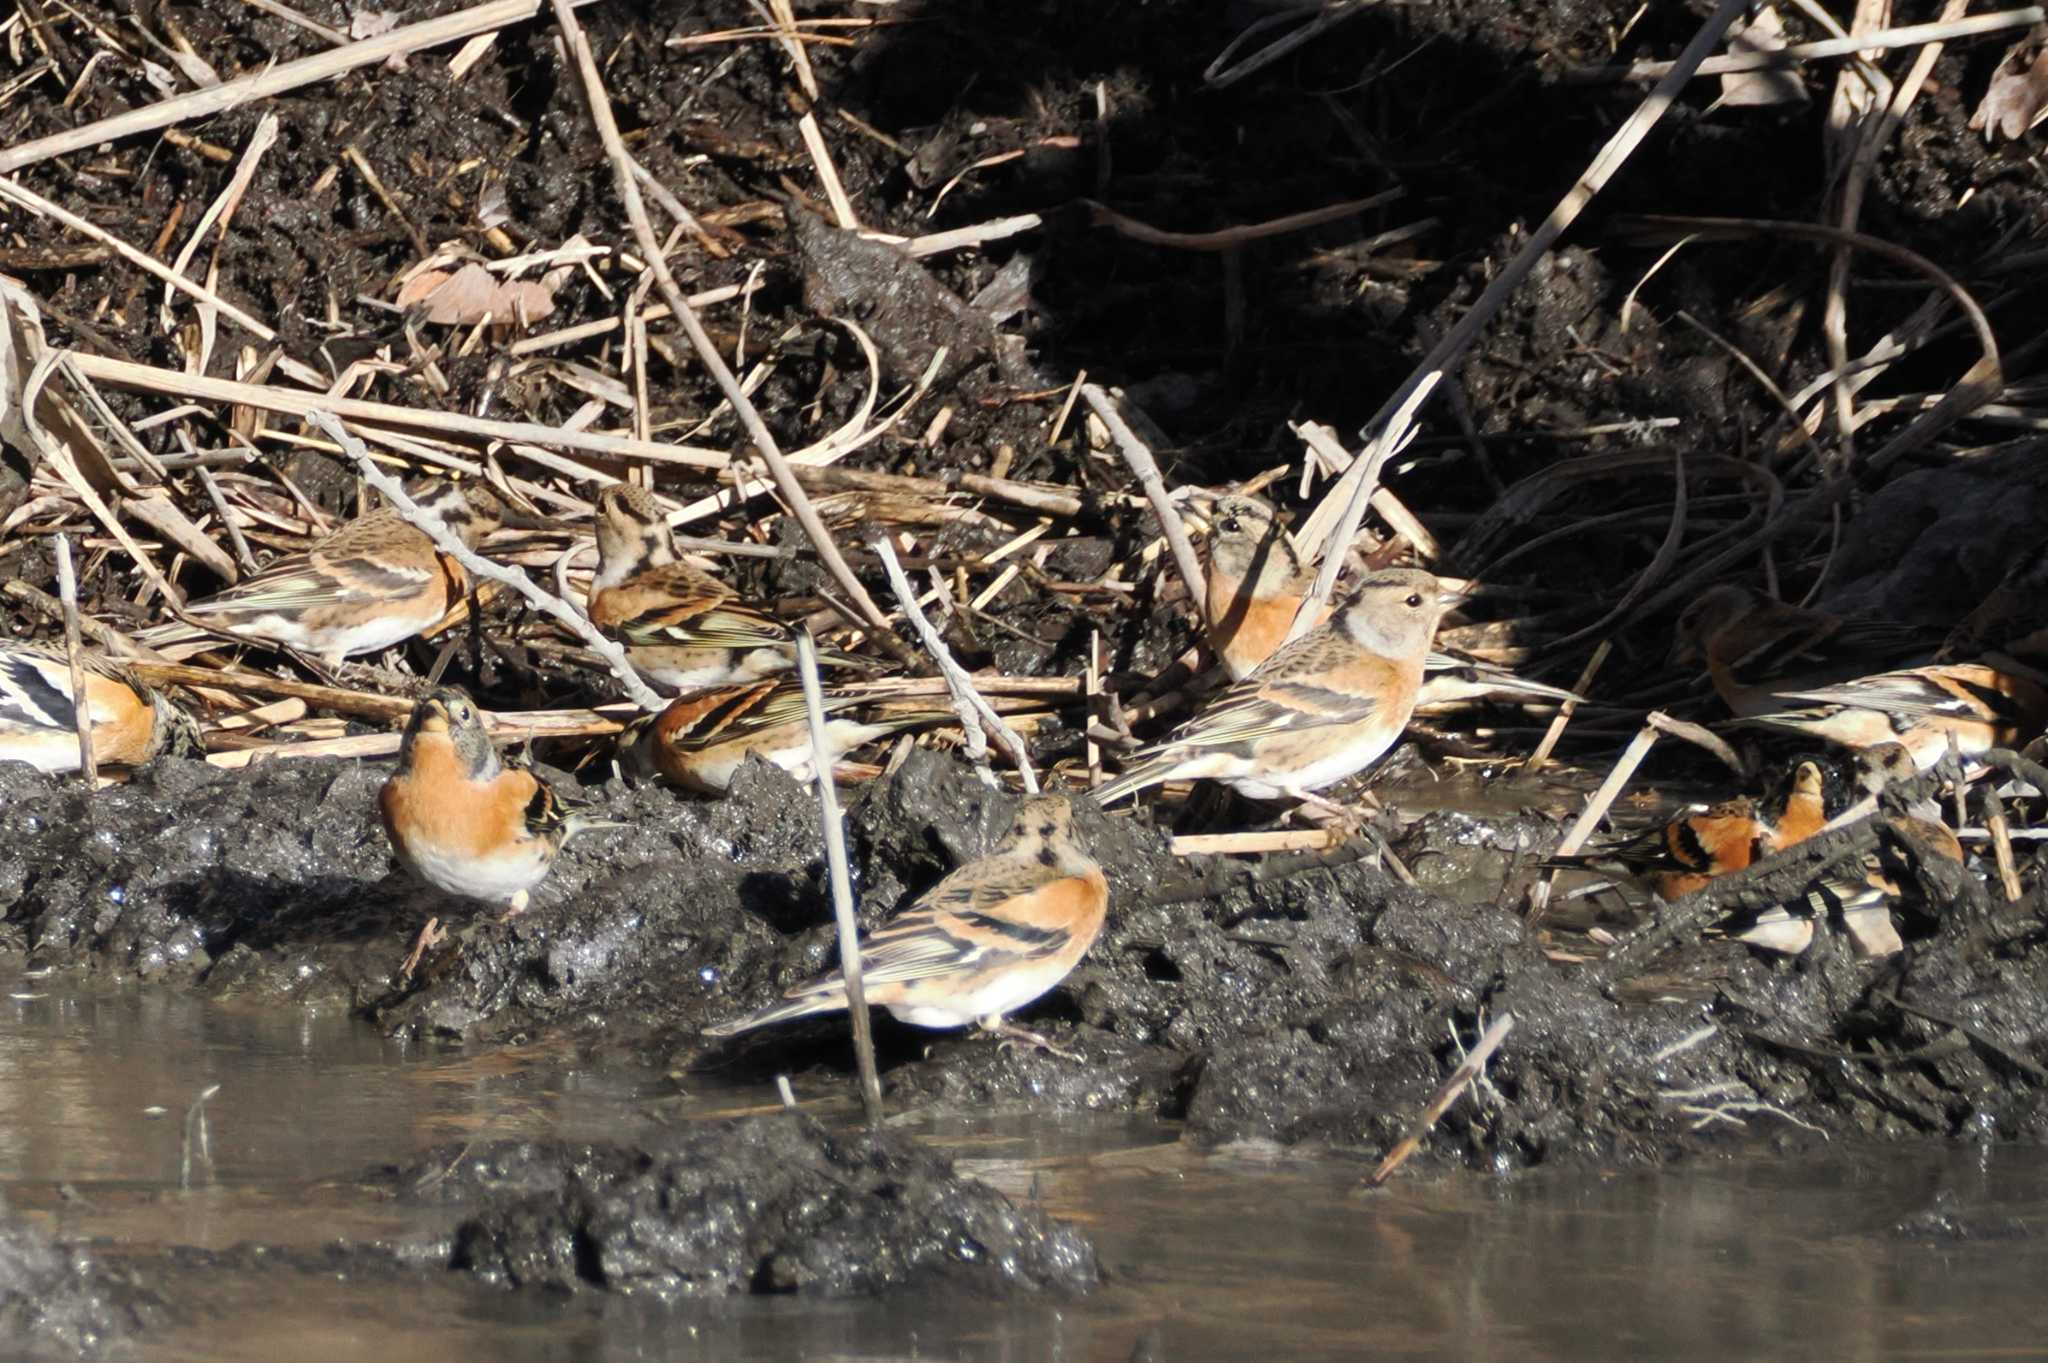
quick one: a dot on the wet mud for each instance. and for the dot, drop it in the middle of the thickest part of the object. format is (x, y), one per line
(1311, 998)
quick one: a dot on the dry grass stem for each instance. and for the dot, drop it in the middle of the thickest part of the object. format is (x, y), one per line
(480, 567)
(1147, 469)
(1467, 1072)
(1763, 59)
(977, 720)
(842, 881)
(270, 81)
(81, 698)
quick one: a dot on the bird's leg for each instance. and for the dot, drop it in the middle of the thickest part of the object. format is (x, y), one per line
(1011, 1033)
(431, 936)
(1325, 813)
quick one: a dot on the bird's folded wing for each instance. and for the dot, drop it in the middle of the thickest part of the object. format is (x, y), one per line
(1913, 694)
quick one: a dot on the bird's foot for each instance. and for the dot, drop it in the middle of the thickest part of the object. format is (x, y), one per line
(1013, 1035)
(1324, 813)
(431, 936)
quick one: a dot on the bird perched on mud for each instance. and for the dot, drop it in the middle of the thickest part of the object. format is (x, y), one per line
(991, 937)
(1323, 708)
(701, 739)
(1920, 708)
(375, 582)
(462, 821)
(1756, 650)
(131, 724)
(1863, 895)
(1704, 843)
(1257, 582)
(682, 628)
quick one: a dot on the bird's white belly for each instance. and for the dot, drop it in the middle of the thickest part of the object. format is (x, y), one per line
(498, 881)
(996, 997)
(1326, 770)
(349, 641)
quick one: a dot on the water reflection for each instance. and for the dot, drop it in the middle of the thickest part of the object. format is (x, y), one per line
(1250, 1254)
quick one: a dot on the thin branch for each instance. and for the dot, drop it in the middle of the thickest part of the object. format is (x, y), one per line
(478, 566)
(1470, 1069)
(977, 719)
(842, 881)
(81, 698)
(599, 102)
(1141, 462)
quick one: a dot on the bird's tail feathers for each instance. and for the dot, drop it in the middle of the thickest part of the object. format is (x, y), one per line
(823, 1000)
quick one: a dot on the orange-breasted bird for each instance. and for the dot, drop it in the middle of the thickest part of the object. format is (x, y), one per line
(461, 820)
(1706, 842)
(700, 740)
(1920, 708)
(131, 724)
(987, 940)
(375, 582)
(1257, 582)
(1323, 708)
(681, 627)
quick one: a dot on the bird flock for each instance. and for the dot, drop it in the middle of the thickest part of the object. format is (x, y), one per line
(1299, 714)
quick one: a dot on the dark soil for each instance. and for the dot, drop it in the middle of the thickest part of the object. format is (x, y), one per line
(770, 1204)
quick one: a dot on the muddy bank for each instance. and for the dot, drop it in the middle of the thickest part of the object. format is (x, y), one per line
(770, 1204)
(1311, 999)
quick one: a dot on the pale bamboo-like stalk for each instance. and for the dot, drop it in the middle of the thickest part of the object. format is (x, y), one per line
(478, 566)
(977, 718)
(81, 699)
(842, 881)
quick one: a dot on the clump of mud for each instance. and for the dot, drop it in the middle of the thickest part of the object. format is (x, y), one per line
(768, 1204)
(57, 1301)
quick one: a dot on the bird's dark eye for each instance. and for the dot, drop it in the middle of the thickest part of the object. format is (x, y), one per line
(1230, 525)
(1413, 602)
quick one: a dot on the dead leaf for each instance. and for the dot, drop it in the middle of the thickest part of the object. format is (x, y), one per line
(2017, 97)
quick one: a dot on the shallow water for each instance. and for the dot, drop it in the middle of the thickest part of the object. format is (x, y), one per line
(1873, 1252)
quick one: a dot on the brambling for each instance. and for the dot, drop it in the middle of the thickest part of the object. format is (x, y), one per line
(1704, 843)
(1755, 650)
(131, 724)
(462, 821)
(1920, 708)
(375, 582)
(988, 939)
(1323, 708)
(1256, 583)
(701, 739)
(682, 628)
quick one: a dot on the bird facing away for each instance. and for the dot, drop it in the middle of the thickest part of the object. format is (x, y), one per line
(375, 582)
(1758, 651)
(462, 821)
(700, 740)
(1323, 708)
(131, 724)
(681, 627)
(991, 937)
